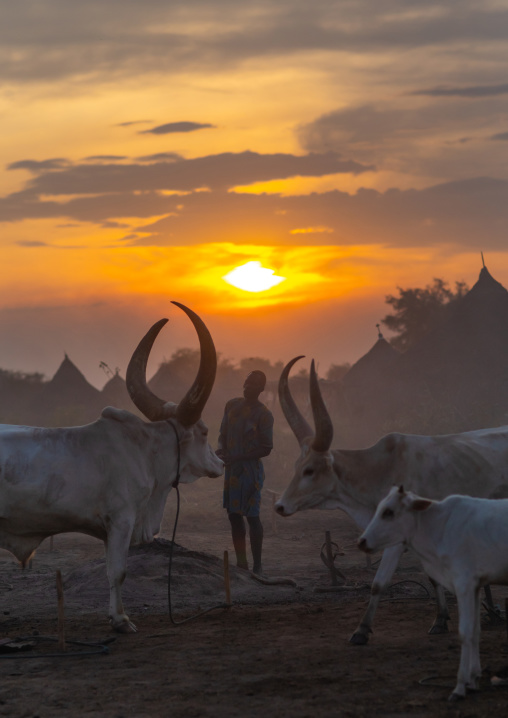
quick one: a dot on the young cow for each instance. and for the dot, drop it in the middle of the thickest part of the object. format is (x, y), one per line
(462, 543)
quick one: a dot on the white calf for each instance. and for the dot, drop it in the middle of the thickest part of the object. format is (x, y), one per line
(462, 543)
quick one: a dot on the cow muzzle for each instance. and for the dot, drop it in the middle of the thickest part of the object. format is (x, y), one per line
(282, 510)
(362, 545)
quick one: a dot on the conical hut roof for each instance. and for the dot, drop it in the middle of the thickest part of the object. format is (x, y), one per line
(365, 394)
(68, 398)
(70, 385)
(372, 366)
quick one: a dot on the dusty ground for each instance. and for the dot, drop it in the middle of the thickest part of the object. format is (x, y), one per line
(278, 651)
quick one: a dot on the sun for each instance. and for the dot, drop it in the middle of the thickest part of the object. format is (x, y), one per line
(252, 277)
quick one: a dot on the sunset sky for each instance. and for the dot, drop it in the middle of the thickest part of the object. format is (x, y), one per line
(151, 147)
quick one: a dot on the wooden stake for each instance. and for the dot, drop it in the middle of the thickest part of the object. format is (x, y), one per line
(274, 514)
(329, 556)
(227, 585)
(61, 617)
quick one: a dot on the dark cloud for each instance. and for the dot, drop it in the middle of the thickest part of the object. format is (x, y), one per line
(133, 122)
(97, 41)
(225, 170)
(31, 243)
(468, 92)
(469, 213)
(465, 212)
(36, 166)
(413, 139)
(35, 243)
(110, 224)
(171, 127)
(472, 213)
(105, 158)
(161, 157)
(500, 136)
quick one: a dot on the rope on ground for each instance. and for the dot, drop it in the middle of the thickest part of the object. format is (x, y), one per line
(437, 681)
(175, 486)
(22, 652)
(170, 611)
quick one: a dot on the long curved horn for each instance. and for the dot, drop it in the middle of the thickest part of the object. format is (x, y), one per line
(190, 408)
(149, 404)
(323, 423)
(294, 418)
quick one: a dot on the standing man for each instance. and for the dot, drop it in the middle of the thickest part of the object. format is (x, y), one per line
(246, 435)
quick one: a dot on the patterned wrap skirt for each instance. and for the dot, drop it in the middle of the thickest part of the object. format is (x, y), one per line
(242, 487)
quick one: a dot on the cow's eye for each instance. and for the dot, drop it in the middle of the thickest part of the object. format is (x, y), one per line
(387, 514)
(308, 471)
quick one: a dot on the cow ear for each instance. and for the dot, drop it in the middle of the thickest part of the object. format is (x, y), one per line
(420, 504)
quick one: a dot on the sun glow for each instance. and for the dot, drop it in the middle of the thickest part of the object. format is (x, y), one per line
(252, 277)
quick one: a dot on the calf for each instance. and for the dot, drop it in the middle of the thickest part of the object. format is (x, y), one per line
(462, 543)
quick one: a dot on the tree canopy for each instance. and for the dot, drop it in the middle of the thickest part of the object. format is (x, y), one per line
(417, 311)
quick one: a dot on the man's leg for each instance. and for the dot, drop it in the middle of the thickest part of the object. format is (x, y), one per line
(256, 541)
(238, 534)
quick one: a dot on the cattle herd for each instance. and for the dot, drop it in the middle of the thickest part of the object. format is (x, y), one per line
(110, 479)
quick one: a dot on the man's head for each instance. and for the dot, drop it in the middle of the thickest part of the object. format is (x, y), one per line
(254, 384)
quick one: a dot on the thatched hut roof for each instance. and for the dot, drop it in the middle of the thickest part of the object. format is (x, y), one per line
(67, 399)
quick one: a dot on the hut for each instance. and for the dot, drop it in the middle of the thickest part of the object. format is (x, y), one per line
(462, 364)
(365, 396)
(68, 399)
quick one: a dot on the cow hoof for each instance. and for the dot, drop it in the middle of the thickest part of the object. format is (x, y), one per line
(455, 697)
(124, 626)
(437, 630)
(359, 639)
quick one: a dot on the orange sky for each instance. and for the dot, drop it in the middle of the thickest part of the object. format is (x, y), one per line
(149, 150)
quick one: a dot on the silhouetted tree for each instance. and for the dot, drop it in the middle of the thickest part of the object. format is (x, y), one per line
(417, 311)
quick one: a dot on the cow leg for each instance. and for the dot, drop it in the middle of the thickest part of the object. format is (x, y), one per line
(117, 548)
(475, 669)
(467, 602)
(384, 573)
(440, 624)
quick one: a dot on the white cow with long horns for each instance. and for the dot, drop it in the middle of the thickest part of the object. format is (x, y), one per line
(462, 543)
(108, 479)
(474, 463)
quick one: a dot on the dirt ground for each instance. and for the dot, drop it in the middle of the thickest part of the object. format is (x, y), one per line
(279, 650)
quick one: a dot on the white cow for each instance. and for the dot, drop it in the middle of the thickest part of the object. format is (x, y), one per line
(474, 463)
(108, 479)
(462, 543)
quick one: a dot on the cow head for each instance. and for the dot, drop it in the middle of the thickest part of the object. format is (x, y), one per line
(197, 456)
(394, 520)
(314, 480)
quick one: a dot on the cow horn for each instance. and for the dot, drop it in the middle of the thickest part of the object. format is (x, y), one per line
(148, 404)
(323, 423)
(190, 408)
(294, 418)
